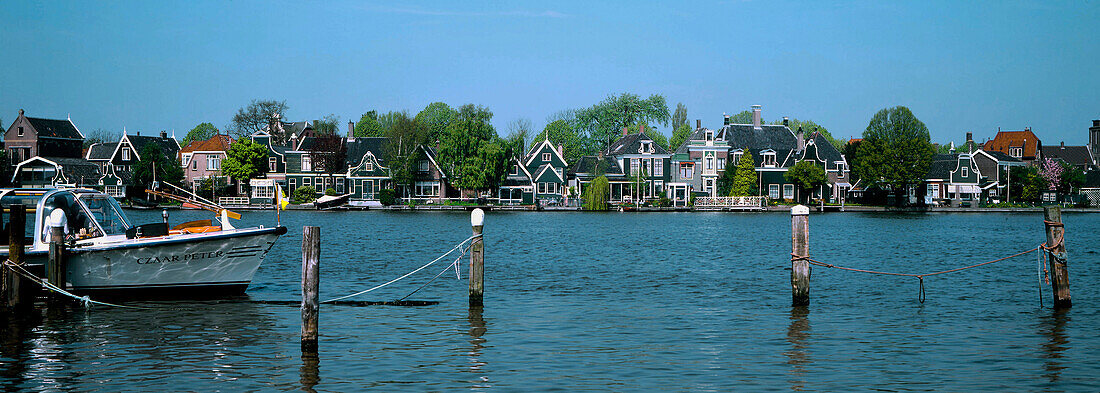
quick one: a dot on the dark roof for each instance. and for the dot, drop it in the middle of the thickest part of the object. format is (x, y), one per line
(102, 151)
(942, 165)
(1073, 155)
(1001, 157)
(55, 128)
(590, 164)
(630, 144)
(359, 147)
(698, 135)
(745, 136)
(78, 170)
(1092, 179)
(167, 145)
(825, 150)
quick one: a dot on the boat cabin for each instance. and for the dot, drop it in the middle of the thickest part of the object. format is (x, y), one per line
(88, 214)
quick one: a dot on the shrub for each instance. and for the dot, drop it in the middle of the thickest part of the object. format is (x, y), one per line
(595, 195)
(664, 201)
(304, 194)
(387, 197)
(331, 191)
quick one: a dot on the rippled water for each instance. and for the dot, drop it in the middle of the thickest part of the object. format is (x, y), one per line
(634, 301)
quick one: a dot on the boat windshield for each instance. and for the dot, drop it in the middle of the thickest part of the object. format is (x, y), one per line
(77, 223)
(29, 199)
(106, 212)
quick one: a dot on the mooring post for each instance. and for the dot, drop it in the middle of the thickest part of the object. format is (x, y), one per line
(477, 259)
(55, 265)
(800, 250)
(1056, 243)
(17, 218)
(311, 256)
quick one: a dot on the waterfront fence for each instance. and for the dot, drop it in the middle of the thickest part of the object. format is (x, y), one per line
(735, 202)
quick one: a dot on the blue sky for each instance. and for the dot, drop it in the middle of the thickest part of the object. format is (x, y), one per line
(960, 66)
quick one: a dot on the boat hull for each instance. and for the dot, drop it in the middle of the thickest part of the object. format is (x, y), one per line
(194, 265)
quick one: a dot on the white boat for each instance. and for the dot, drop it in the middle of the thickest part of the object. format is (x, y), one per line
(107, 254)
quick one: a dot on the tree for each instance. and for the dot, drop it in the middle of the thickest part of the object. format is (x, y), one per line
(1072, 179)
(895, 151)
(5, 168)
(603, 121)
(154, 163)
(328, 125)
(680, 116)
(658, 137)
(470, 151)
(368, 126)
(851, 154)
(329, 153)
(807, 176)
(808, 127)
(728, 178)
(1025, 184)
(403, 150)
(436, 117)
(389, 119)
(562, 134)
(679, 136)
(745, 117)
(519, 135)
(98, 135)
(745, 179)
(245, 160)
(256, 116)
(304, 194)
(596, 194)
(1051, 172)
(201, 132)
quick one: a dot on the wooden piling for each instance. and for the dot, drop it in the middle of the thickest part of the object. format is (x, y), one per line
(477, 259)
(311, 256)
(800, 249)
(13, 291)
(1056, 234)
(55, 265)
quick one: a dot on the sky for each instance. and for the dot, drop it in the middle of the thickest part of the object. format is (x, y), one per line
(959, 66)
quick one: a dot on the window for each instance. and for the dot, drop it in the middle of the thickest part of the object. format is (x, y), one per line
(647, 166)
(708, 186)
(423, 166)
(1016, 152)
(340, 185)
(306, 182)
(263, 192)
(634, 166)
(319, 183)
(307, 163)
(426, 189)
(687, 170)
(292, 183)
(840, 169)
(272, 164)
(788, 191)
(546, 157)
(737, 156)
(659, 167)
(20, 130)
(773, 191)
(368, 166)
(769, 158)
(213, 162)
(965, 172)
(708, 164)
(710, 135)
(721, 163)
(194, 165)
(515, 170)
(125, 153)
(115, 191)
(933, 191)
(542, 188)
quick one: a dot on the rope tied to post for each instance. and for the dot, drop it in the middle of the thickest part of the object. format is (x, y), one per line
(84, 300)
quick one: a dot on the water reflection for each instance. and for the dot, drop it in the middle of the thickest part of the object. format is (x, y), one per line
(1054, 328)
(14, 336)
(310, 372)
(798, 357)
(477, 345)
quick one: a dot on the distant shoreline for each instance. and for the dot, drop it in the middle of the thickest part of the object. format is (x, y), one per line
(769, 209)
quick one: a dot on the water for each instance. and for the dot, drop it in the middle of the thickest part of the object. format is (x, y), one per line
(622, 302)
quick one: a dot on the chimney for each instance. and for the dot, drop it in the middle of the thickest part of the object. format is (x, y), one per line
(970, 137)
(20, 111)
(725, 122)
(139, 133)
(1063, 145)
(699, 123)
(163, 134)
(1027, 128)
(626, 131)
(1095, 123)
(786, 121)
(351, 129)
(756, 116)
(561, 150)
(641, 128)
(801, 140)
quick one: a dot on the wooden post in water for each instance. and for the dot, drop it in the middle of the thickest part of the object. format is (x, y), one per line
(311, 256)
(477, 259)
(17, 219)
(800, 249)
(55, 265)
(1056, 235)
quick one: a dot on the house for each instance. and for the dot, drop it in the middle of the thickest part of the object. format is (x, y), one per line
(994, 166)
(289, 134)
(202, 159)
(518, 186)
(44, 172)
(276, 158)
(1094, 141)
(117, 166)
(643, 161)
(1023, 145)
(301, 171)
(32, 136)
(589, 168)
(545, 165)
(367, 173)
(1080, 157)
(954, 179)
(698, 163)
(430, 182)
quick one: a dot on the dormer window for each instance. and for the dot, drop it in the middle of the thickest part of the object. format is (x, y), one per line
(965, 172)
(647, 147)
(1016, 152)
(768, 158)
(125, 153)
(737, 156)
(546, 157)
(710, 136)
(368, 166)
(272, 164)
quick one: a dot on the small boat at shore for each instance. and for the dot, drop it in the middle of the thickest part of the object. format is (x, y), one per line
(331, 201)
(105, 253)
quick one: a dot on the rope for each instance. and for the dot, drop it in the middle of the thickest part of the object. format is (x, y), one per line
(84, 300)
(459, 245)
(1039, 272)
(446, 269)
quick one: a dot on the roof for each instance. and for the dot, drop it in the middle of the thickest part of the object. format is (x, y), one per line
(942, 165)
(593, 164)
(1000, 156)
(825, 150)
(217, 142)
(55, 128)
(359, 147)
(76, 170)
(168, 145)
(101, 151)
(1073, 155)
(745, 136)
(1007, 139)
(631, 144)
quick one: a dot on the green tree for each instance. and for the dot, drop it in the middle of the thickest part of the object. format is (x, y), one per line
(328, 125)
(728, 178)
(368, 126)
(657, 136)
(679, 117)
(245, 160)
(436, 117)
(329, 153)
(470, 151)
(745, 179)
(167, 169)
(807, 176)
(403, 150)
(98, 135)
(679, 136)
(5, 168)
(201, 132)
(808, 127)
(562, 134)
(256, 116)
(304, 194)
(895, 152)
(1072, 178)
(745, 117)
(519, 135)
(602, 122)
(596, 194)
(1025, 184)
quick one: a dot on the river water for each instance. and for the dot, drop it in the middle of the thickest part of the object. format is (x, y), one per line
(606, 301)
